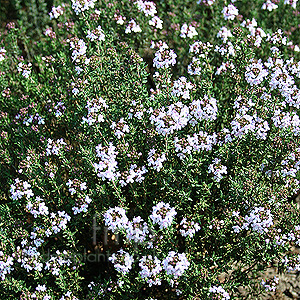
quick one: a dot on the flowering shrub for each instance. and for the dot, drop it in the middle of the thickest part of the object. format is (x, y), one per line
(148, 150)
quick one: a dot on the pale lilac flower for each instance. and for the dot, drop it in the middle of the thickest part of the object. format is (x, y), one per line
(164, 58)
(122, 261)
(107, 168)
(37, 207)
(220, 293)
(255, 73)
(269, 5)
(224, 34)
(156, 22)
(2, 54)
(182, 87)
(189, 228)
(270, 284)
(147, 7)
(188, 31)
(24, 69)
(115, 219)
(175, 264)
(137, 230)
(150, 269)
(155, 160)
(96, 34)
(56, 11)
(163, 214)
(132, 27)
(217, 169)
(230, 12)
(80, 6)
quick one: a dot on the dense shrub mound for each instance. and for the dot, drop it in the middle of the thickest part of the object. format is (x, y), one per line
(148, 150)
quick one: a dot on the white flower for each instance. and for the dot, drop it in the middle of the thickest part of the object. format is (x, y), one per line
(163, 214)
(122, 261)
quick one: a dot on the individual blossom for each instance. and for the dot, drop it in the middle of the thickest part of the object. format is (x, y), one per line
(40, 293)
(217, 169)
(293, 3)
(122, 261)
(137, 230)
(150, 269)
(163, 214)
(132, 26)
(230, 12)
(115, 219)
(188, 31)
(68, 296)
(206, 2)
(189, 228)
(120, 19)
(96, 34)
(175, 264)
(219, 293)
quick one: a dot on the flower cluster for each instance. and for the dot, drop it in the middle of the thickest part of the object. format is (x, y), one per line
(188, 31)
(107, 168)
(259, 219)
(230, 12)
(21, 188)
(219, 293)
(55, 147)
(80, 6)
(96, 34)
(25, 69)
(37, 207)
(122, 261)
(155, 160)
(217, 169)
(57, 11)
(95, 109)
(189, 228)
(115, 219)
(163, 214)
(150, 269)
(164, 58)
(182, 88)
(175, 264)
